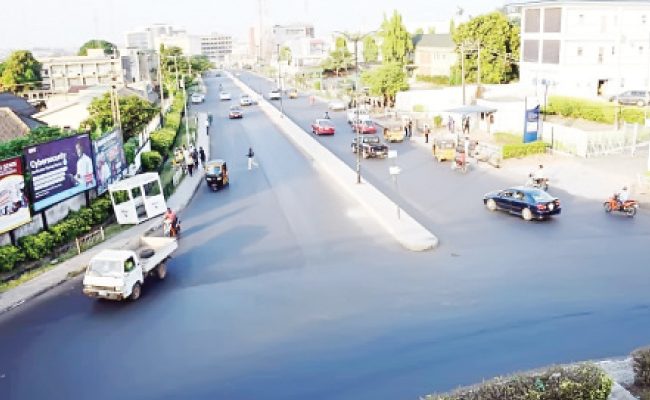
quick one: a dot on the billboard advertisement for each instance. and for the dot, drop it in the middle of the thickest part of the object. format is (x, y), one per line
(60, 169)
(110, 161)
(14, 206)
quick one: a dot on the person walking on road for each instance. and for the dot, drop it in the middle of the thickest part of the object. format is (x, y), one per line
(427, 131)
(466, 125)
(410, 128)
(202, 156)
(189, 161)
(251, 158)
(195, 158)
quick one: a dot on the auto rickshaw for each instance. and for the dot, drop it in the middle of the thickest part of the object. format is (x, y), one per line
(393, 131)
(216, 174)
(443, 149)
(293, 93)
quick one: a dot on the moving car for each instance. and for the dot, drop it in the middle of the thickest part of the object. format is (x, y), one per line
(633, 97)
(224, 96)
(371, 146)
(364, 127)
(336, 105)
(292, 93)
(197, 98)
(216, 174)
(235, 113)
(529, 203)
(322, 127)
(245, 100)
(275, 94)
(120, 274)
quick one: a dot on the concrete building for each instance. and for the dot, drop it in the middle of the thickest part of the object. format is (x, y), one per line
(216, 47)
(145, 38)
(139, 65)
(434, 54)
(60, 74)
(307, 52)
(585, 48)
(281, 34)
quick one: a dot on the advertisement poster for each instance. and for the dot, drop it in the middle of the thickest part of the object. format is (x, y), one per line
(14, 206)
(110, 161)
(60, 169)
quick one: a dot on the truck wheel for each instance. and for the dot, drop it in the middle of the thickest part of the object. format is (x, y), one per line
(136, 292)
(161, 271)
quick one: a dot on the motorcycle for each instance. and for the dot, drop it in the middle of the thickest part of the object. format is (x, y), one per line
(628, 207)
(538, 183)
(459, 162)
(171, 230)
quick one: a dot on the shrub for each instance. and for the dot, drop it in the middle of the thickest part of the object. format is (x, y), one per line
(130, 148)
(641, 365)
(435, 79)
(317, 85)
(151, 160)
(9, 257)
(162, 140)
(101, 208)
(38, 245)
(437, 121)
(582, 382)
(592, 110)
(518, 150)
(418, 108)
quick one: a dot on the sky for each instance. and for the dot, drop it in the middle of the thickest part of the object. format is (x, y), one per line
(28, 24)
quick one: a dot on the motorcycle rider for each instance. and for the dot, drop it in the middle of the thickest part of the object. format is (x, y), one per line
(539, 176)
(172, 219)
(327, 115)
(622, 197)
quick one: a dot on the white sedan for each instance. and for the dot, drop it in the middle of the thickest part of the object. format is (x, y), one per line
(275, 94)
(197, 98)
(336, 105)
(224, 96)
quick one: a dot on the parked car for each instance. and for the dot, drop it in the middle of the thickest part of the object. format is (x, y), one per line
(336, 105)
(529, 203)
(275, 94)
(323, 127)
(364, 127)
(371, 146)
(633, 97)
(197, 98)
(235, 113)
(225, 96)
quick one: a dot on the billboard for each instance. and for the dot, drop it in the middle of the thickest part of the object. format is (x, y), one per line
(14, 206)
(110, 161)
(60, 169)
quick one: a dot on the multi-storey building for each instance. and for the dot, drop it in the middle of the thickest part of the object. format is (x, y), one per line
(434, 54)
(585, 47)
(216, 47)
(60, 74)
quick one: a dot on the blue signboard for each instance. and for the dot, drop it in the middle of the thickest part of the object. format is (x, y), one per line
(532, 125)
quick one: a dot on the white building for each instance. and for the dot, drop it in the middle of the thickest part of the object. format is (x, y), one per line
(216, 47)
(151, 37)
(307, 52)
(585, 48)
(62, 73)
(281, 34)
(139, 65)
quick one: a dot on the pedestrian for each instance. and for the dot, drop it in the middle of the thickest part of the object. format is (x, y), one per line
(189, 161)
(410, 127)
(427, 131)
(406, 130)
(450, 124)
(195, 158)
(202, 156)
(251, 159)
(466, 126)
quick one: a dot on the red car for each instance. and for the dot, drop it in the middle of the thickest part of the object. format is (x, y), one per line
(365, 127)
(235, 113)
(322, 127)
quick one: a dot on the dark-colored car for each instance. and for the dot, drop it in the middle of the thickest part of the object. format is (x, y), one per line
(235, 113)
(371, 146)
(323, 127)
(633, 97)
(529, 203)
(364, 127)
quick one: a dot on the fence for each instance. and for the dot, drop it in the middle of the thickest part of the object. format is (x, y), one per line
(89, 240)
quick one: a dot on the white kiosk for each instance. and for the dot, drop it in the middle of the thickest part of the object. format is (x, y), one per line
(138, 198)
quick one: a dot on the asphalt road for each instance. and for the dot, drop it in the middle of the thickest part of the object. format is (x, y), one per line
(283, 288)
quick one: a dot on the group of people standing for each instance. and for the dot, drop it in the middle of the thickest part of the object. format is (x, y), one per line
(451, 124)
(189, 158)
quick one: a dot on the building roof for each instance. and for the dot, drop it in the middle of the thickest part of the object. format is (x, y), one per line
(437, 40)
(17, 104)
(11, 125)
(524, 3)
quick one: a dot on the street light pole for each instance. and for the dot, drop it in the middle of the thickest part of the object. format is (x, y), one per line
(462, 69)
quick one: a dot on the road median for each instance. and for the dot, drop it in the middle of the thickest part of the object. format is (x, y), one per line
(405, 229)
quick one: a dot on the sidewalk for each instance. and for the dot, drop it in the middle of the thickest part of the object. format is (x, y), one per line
(76, 265)
(591, 178)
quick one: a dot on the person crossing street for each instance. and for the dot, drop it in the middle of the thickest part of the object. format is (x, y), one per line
(251, 159)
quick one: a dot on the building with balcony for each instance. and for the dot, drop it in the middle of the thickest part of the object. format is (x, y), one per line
(60, 74)
(216, 47)
(585, 48)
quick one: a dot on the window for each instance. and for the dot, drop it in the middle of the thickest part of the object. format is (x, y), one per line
(579, 52)
(531, 50)
(643, 19)
(613, 50)
(129, 264)
(600, 55)
(531, 21)
(553, 20)
(551, 52)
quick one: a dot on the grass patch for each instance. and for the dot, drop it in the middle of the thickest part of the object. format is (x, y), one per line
(507, 138)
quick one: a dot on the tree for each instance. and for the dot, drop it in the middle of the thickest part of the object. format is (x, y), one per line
(419, 31)
(397, 43)
(108, 47)
(499, 41)
(2, 68)
(340, 58)
(431, 30)
(285, 54)
(135, 114)
(386, 81)
(20, 69)
(370, 50)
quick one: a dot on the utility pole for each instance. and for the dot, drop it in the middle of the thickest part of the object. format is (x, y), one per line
(280, 83)
(462, 69)
(478, 72)
(187, 124)
(160, 81)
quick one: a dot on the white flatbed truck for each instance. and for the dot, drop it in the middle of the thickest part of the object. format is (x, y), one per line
(120, 274)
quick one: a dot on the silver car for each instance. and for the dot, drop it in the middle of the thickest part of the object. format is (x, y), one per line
(633, 97)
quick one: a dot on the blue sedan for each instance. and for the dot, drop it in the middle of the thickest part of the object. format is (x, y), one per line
(529, 203)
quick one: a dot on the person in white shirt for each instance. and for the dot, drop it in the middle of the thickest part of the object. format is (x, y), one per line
(539, 174)
(84, 175)
(623, 196)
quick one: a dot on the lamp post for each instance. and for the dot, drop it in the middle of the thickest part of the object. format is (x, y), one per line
(470, 47)
(356, 37)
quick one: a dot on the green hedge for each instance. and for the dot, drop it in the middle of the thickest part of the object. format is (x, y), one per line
(518, 150)
(641, 365)
(151, 160)
(591, 110)
(435, 79)
(582, 382)
(162, 140)
(9, 257)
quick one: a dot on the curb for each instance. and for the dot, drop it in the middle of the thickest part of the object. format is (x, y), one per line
(405, 229)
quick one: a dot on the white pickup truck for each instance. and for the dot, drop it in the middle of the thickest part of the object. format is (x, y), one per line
(363, 115)
(119, 274)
